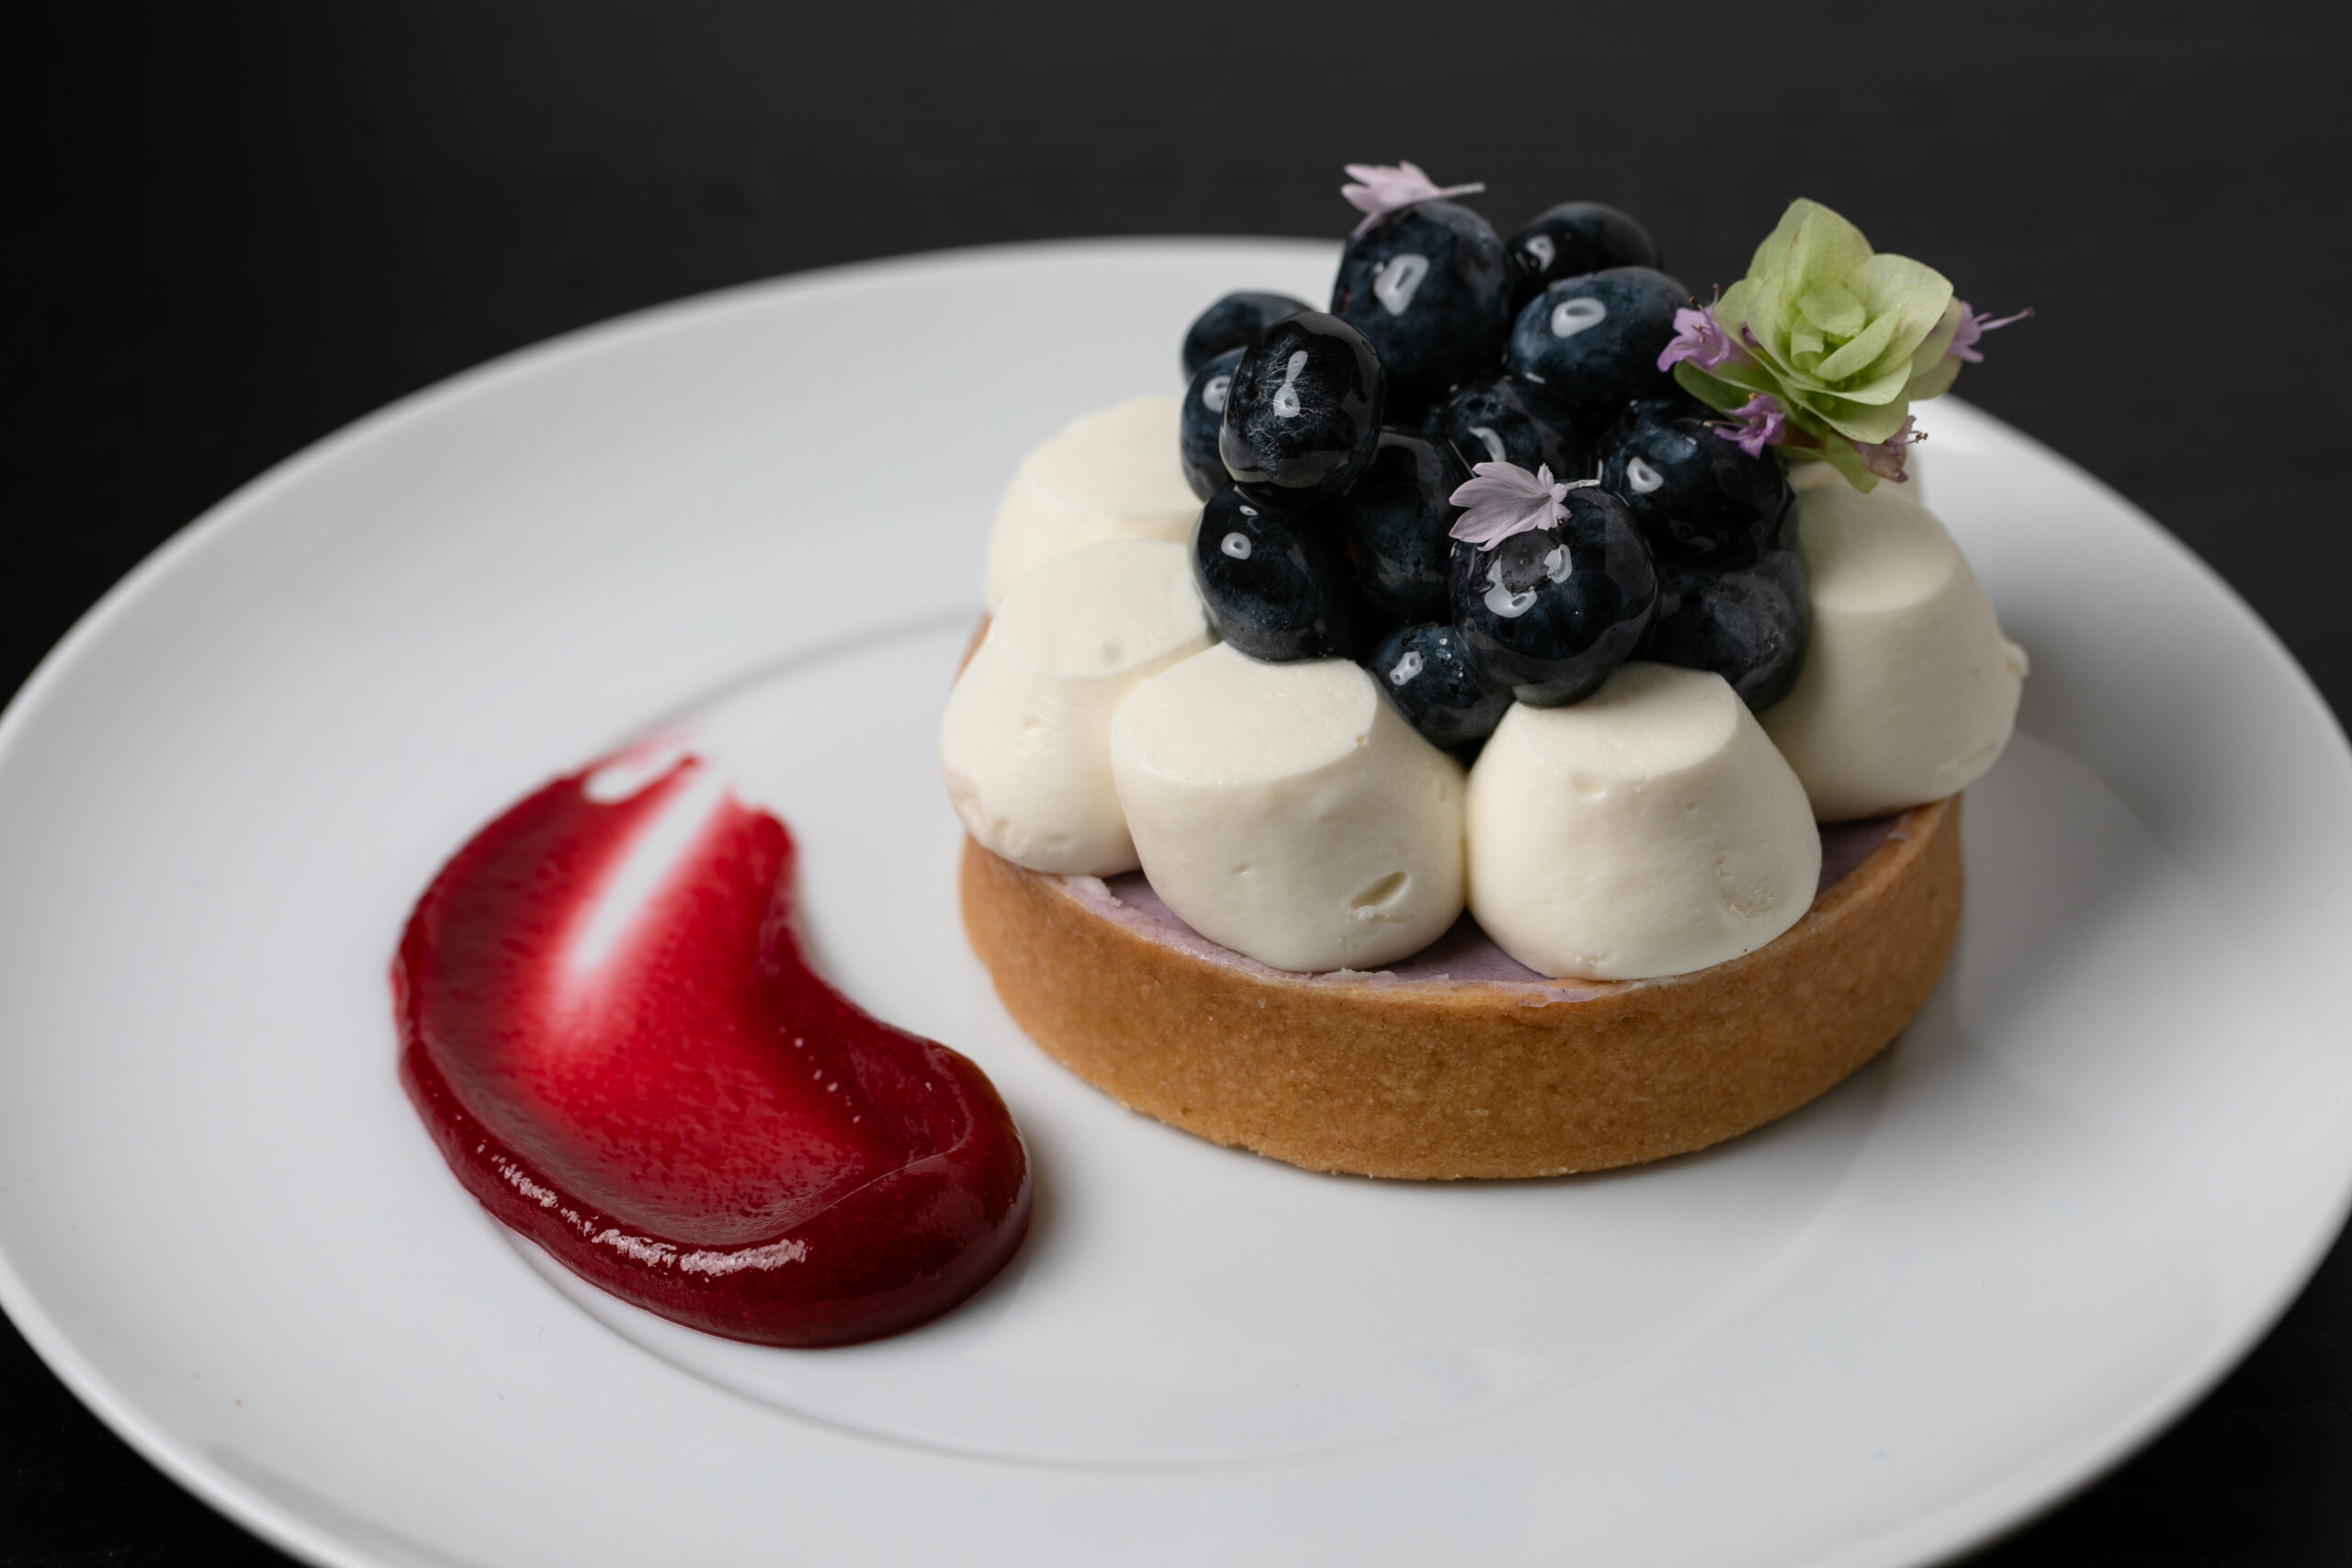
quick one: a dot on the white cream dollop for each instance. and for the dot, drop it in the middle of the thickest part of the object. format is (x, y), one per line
(1025, 744)
(1289, 812)
(1650, 829)
(1111, 474)
(1908, 690)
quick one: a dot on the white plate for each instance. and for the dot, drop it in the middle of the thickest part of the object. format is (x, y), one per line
(2094, 1172)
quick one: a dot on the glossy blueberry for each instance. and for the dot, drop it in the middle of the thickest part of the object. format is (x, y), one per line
(1701, 501)
(1231, 322)
(1748, 626)
(1276, 583)
(1551, 611)
(1591, 343)
(1302, 413)
(1428, 672)
(1393, 523)
(1504, 420)
(1430, 287)
(1573, 239)
(1198, 421)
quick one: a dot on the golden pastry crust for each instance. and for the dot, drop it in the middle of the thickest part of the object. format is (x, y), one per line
(1437, 1078)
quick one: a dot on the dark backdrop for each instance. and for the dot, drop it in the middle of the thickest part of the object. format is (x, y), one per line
(242, 229)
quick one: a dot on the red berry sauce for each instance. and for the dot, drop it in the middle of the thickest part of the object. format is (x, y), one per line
(608, 1023)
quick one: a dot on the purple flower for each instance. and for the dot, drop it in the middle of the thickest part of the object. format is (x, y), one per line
(1698, 338)
(1505, 499)
(1886, 459)
(1762, 422)
(1972, 326)
(1382, 189)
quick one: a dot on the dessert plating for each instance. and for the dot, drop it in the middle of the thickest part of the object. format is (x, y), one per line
(1528, 600)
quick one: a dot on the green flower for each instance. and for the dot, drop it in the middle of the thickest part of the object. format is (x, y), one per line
(1845, 338)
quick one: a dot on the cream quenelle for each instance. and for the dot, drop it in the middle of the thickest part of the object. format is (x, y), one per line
(1649, 829)
(1908, 691)
(1026, 744)
(1110, 474)
(1288, 812)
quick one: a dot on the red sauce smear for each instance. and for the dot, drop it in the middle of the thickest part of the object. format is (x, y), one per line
(610, 1026)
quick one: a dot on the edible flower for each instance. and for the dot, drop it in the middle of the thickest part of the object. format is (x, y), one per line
(1763, 422)
(1382, 188)
(1975, 325)
(1885, 457)
(1505, 499)
(1842, 338)
(1698, 338)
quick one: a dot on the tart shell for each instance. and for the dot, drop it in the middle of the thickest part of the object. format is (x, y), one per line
(1441, 1078)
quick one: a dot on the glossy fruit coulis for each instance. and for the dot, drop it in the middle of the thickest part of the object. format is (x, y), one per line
(609, 1023)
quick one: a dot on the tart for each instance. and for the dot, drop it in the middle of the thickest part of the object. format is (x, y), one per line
(1463, 1063)
(1540, 751)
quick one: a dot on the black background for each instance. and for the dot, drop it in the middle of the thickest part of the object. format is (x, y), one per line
(243, 228)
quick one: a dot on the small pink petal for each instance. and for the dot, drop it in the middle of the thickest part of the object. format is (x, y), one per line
(1886, 459)
(1975, 325)
(1504, 499)
(1698, 338)
(1762, 422)
(1381, 189)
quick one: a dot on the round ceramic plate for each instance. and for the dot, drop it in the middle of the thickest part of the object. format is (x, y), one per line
(2088, 1178)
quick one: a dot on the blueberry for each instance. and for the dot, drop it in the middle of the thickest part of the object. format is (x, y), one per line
(1504, 420)
(1749, 626)
(1573, 239)
(1231, 322)
(1592, 344)
(1276, 583)
(1701, 501)
(1197, 423)
(1551, 611)
(1392, 522)
(1303, 412)
(1428, 671)
(1430, 285)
